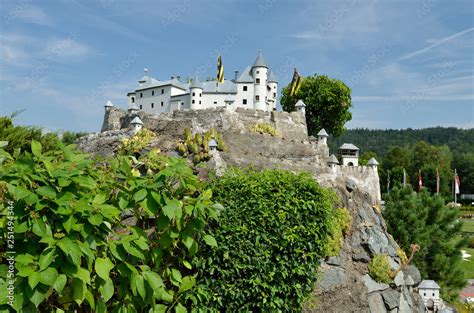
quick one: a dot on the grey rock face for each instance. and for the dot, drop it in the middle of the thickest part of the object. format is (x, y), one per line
(372, 285)
(350, 185)
(414, 273)
(404, 307)
(391, 299)
(334, 260)
(376, 304)
(332, 278)
(399, 279)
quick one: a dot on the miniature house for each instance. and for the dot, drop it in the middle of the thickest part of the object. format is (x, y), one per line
(323, 137)
(133, 108)
(212, 145)
(373, 164)
(108, 105)
(349, 154)
(429, 292)
(300, 106)
(332, 162)
(136, 124)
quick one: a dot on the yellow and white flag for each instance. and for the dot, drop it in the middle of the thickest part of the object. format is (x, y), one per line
(295, 83)
(220, 70)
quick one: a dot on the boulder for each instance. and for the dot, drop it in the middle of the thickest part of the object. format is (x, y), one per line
(391, 299)
(333, 277)
(414, 273)
(399, 279)
(372, 285)
(404, 307)
(376, 304)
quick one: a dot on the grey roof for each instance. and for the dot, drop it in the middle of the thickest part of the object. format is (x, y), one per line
(152, 83)
(323, 133)
(271, 77)
(227, 86)
(429, 284)
(109, 104)
(136, 120)
(259, 61)
(133, 106)
(373, 161)
(245, 76)
(333, 160)
(196, 83)
(348, 146)
(300, 103)
(212, 143)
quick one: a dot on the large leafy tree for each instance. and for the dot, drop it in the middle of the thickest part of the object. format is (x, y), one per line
(425, 220)
(327, 100)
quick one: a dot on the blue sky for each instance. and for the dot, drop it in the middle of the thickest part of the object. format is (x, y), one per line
(409, 63)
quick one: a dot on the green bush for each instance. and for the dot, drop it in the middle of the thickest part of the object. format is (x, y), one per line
(265, 128)
(72, 250)
(379, 269)
(340, 224)
(271, 236)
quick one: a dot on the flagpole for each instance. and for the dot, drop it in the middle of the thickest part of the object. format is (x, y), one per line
(455, 184)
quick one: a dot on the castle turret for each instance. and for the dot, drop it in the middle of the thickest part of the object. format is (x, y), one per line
(136, 124)
(272, 90)
(108, 105)
(349, 154)
(260, 76)
(323, 137)
(332, 162)
(133, 108)
(195, 92)
(373, 164)
(300, 106)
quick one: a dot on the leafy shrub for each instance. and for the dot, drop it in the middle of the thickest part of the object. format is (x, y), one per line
(197, 146)
(265, 128)
(137, 143)
(379, 269)
(72, 250)
(271, 236)
(340, 224)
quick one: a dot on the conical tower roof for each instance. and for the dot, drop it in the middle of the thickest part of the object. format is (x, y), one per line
(196, 83)
(271, 77)
(332, 160)
(259, 61)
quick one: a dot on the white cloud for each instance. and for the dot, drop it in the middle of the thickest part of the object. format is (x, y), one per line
(67, 48)
(34, 15)
(435, 44)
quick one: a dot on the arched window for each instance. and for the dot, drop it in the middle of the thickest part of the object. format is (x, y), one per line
(350, 164)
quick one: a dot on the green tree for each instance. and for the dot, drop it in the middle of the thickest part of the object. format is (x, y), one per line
(464, 164)
(425, 220)
(327, 100)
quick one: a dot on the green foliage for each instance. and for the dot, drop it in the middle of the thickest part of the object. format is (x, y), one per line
(424, 219)
(137, 143)
(72, 250)
(197, 146)
(271, 236)
(339, 225)
(327, 100)
(265, 128)
(379, 269)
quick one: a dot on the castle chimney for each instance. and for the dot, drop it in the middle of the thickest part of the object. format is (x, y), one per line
(236, 75)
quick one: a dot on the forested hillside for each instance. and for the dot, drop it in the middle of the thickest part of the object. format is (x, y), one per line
(379, 141)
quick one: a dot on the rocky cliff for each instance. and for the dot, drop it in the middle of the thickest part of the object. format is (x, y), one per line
(345, 285)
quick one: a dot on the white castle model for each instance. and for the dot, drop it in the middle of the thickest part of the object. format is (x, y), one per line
(255, 88)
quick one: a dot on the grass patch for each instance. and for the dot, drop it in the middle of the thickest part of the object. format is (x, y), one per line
(468, 265)
(468, 225)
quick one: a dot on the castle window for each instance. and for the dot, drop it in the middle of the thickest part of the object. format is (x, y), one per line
(133, 99)
(215, 102)
(194, 101)
(199, 101)
(141, 94)
(258, 72)
(152, 105)
(257, 97)
(162, 91)
(274, 87)
(141, 106)
(194, 94)
(245, 88)
(274, 95)
(244, 101)
(152, 92)
(162, 103)
(182, 103)
(200, 94)
(257, 80)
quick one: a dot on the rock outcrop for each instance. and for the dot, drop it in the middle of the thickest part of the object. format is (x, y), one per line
(344, 285)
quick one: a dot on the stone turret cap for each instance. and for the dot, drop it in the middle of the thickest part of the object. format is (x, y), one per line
(373, 161)
(136, 121)
(348, 146)
(109, 104)
(300, 103)
(259, 61)
(323, 133)
(196, 83)
(429, 284)
(212, 143)
(271, 77)
(333, 160)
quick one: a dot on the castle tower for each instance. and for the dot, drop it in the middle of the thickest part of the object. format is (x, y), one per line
(108, 106)
(373, 164)
(195, 92)
(272, 90)
(260, 76)
(136, 124)
(300, 106)
(332, 162)
(323, 137)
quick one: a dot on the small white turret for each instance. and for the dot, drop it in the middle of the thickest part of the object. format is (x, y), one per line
(133, 108)
(300, 106)
(136, 124)
(108, 105)
(195, 92)
(272, 90)
(373, 164)
(349, 154)
(332, 162)
(323, 137)
(212, 145)
(260, 76)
